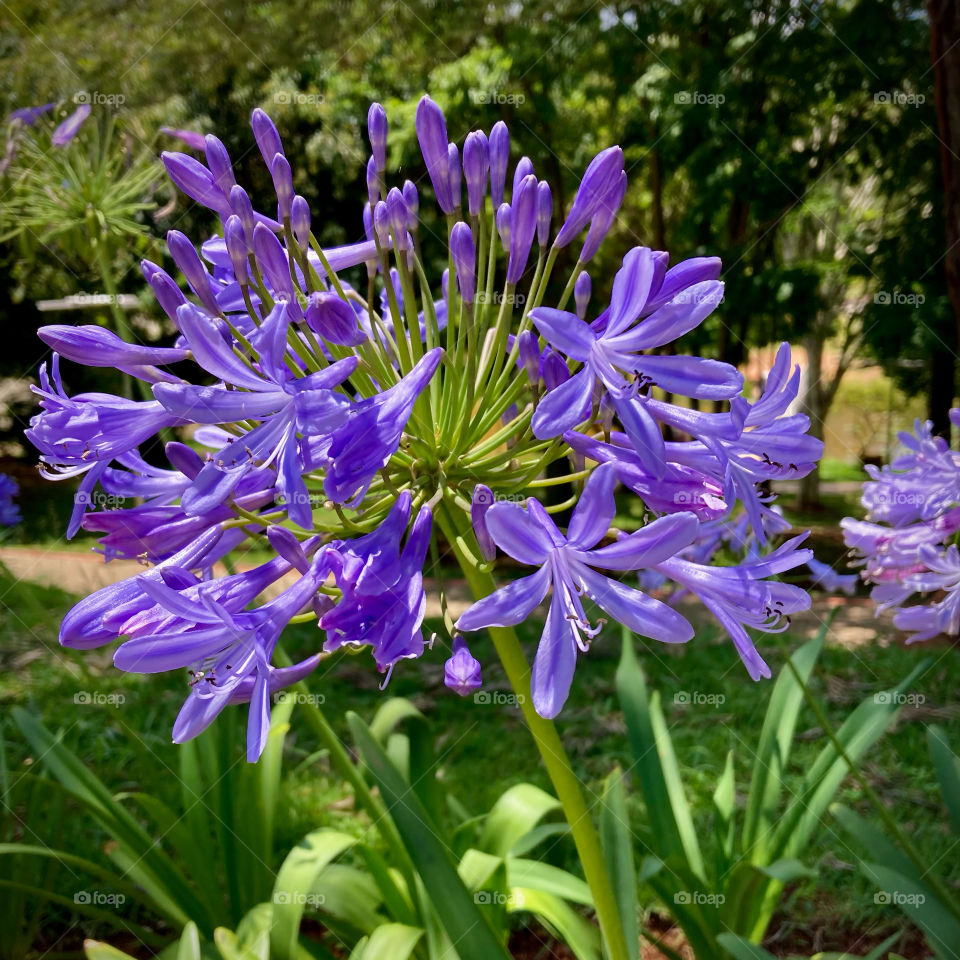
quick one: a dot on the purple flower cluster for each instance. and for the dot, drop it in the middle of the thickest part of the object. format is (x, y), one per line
(338, 408)
(906, 546)
(9, 511)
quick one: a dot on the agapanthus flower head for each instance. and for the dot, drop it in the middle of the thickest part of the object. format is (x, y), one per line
(906, 544)
(343, 430)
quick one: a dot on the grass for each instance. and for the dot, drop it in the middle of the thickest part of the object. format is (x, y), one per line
(482, 749)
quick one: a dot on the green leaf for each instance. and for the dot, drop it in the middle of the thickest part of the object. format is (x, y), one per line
(390, 715)
(743, 949)
(942, 929)
(874, 841)
(776, 740)
(724, 825)
(560, 919)
(96, 950)
(294, 885)
(349, 900)
(786, 871)
(860, 731)
(947, 765)
(150, 867)
(656, 763)
(454, 905)
(392, 941)
(616, 838)
(536, 875)
(516, 812)
(189, 946)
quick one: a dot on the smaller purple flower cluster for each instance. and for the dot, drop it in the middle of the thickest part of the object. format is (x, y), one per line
(9, 511)
(907, 543)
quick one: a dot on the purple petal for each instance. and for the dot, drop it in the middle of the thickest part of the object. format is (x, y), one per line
(554, 663)
(693, 376)
(509, 605)
(655, 542)
(635, 610)
(595, 509)
(565, 332)
(518, 534)
(564, 407)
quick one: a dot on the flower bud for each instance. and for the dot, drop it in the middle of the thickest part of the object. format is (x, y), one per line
(272, 259)
(453, 174)
(373, 182)
(581, 293)
(523, 226)
(603, 219)
(461, 673)
(412, 199)
(236, 242)
(194, 179)
(218, 160)
(601, 176)
(381, 223)
(191, 266)
(300, 221)
(476, 167)
(503, 224)
(524, 169)
(482, 501)
(528, 352)
(168, 294)
(553, 369)
(333, 319)
(432, 136)
(464, 255)
(398, 216)
(265, 133)
(544, 212)
(377, 131)
(282, 183)
(241, 206)
(499, 157)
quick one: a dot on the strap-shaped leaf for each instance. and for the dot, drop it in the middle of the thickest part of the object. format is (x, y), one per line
(536, 875)
(947, 765)
(655, 763)
(453, 903)
(516, 812)
(942, 929)
(616, 838)
(294, 885)
(773, 747)
(560, 919)
(392, 941)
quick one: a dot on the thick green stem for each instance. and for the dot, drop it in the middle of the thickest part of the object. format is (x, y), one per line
(555, 759)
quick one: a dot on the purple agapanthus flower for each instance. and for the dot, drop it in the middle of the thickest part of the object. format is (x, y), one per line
(905, 546)
(204, 626)
(462, 672)
(570, 563)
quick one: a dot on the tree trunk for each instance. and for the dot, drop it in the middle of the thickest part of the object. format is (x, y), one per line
(813, 407)
(945, 54)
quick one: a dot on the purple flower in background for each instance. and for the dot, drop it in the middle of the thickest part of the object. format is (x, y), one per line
(192, 139)
(569, 563)
(824, 576)
(28, 116)
(70, 127)
(9, 511)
